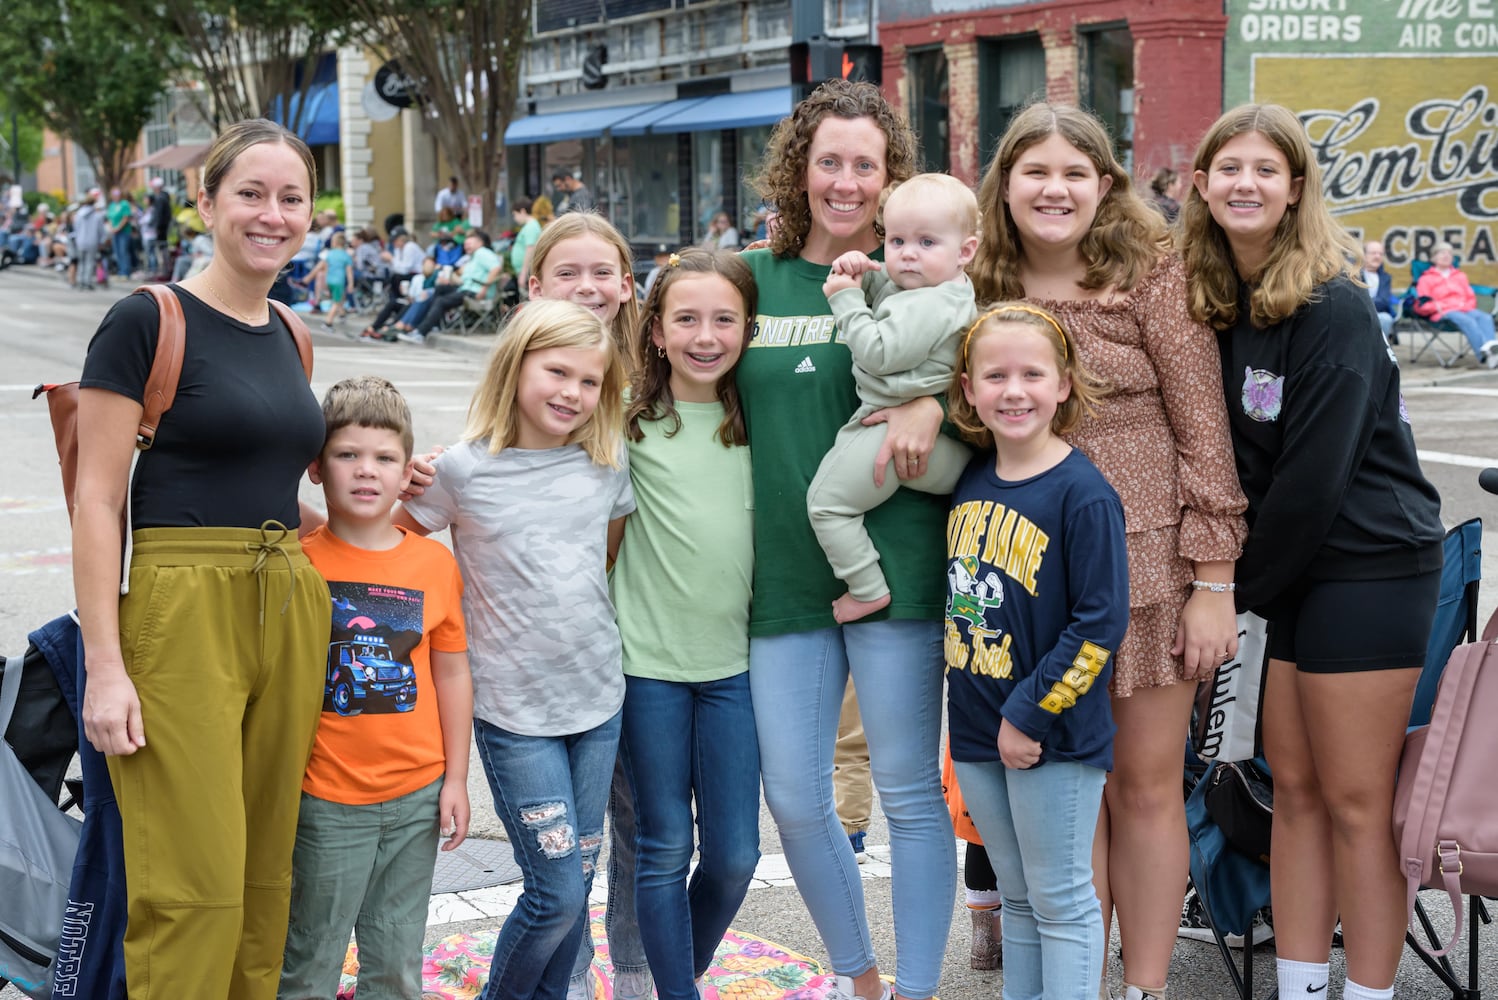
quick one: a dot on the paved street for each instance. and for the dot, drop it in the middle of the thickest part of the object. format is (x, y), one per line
(44, 332)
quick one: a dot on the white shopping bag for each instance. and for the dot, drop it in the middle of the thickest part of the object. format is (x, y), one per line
(1226, 727)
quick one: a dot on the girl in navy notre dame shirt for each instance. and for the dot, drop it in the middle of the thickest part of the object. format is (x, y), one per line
(1037, 602)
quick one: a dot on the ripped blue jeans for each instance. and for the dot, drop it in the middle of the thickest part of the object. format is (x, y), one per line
(550, 792)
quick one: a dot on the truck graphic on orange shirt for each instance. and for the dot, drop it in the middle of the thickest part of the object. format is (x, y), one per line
(364, 668)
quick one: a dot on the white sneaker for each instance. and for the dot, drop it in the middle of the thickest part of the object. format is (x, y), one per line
(1194, 925)
(1488, 354)
(842, 989)
(633, 985)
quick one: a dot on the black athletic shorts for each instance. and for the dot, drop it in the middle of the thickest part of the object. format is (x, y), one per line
(1338, 626)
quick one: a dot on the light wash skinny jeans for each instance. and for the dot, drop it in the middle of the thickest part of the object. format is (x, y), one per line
(797, 682)
(1038, 826)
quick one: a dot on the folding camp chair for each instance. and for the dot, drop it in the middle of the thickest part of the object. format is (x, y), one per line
(1441, 338)
(1455, 623)
(1233, 886)
(476, 316)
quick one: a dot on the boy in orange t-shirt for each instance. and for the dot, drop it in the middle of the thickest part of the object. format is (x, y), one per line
(389, 768)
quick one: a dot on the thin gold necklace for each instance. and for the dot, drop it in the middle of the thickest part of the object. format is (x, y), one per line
(236, 312)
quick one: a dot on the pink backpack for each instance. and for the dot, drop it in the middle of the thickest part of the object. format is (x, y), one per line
(1445, 809)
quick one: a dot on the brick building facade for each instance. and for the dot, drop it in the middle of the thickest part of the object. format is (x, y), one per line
(1152, 70)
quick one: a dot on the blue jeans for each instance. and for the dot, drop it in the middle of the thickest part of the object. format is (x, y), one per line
(685, 742)
(1037, 825)
(798, 682)
(124, 258)
(1476, 326)
(550, 792)
(621, 926)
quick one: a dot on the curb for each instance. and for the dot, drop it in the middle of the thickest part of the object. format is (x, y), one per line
(474, 345)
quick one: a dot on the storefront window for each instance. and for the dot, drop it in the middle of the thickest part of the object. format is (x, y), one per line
(1108, 85)
(751, 158)
(928, 106)
(1012, 71)
(644, 182)
(707, 163)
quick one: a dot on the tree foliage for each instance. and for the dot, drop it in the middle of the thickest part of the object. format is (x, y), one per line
(464, 58)
(81, 68)
(246, 55)
(28, 136)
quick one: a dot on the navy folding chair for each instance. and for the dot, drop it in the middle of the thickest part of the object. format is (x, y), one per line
(1455, 623)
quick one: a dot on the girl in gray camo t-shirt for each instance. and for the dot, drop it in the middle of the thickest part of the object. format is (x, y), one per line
(535, 497)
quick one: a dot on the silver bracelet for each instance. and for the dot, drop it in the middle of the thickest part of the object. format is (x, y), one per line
(1214, 587)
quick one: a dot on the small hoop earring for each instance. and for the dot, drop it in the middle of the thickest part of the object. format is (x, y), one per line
(660, 352)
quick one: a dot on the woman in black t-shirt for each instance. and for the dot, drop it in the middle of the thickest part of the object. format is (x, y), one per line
(204, 680)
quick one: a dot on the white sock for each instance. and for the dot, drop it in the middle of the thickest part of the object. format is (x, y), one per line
(1352, 991)
(983, 899)
(1301, 979)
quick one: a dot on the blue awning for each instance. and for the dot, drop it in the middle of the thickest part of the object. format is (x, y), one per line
(645, 120)
(320, 125)
(738, 110)
(690, 114)
(584, 124)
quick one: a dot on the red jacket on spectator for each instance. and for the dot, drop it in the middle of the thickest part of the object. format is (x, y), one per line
(1447, 291)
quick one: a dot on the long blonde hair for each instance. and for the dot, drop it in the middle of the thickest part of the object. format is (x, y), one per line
(1127, 236)
(1308, 247)
(589, 223)
(537, 326)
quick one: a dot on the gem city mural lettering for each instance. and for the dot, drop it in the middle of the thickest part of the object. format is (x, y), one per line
(1400, 98)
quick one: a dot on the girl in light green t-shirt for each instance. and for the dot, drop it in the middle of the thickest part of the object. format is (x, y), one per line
(681, 589)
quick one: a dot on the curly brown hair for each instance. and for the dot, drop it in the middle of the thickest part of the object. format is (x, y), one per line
(1127, 236)
(781, 180)
(650, 385)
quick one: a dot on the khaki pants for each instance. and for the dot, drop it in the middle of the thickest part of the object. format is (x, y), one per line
(852, 784)
(225, 636)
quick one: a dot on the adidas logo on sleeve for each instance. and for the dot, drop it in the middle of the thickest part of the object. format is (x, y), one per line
(805, 366)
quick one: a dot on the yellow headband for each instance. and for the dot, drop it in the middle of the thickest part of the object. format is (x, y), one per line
(1015, 307)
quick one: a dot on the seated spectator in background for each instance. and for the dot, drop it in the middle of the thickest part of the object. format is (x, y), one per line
(480, 280)
(368, 265)
(325, 225)
(451, 198)
(449, 226)
(721, 234)
(1165, 188)
(1380, 288)
(1444, 293)
(421, 290)
(405, 259)
(761, 216)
